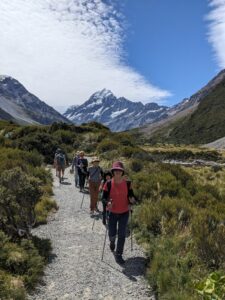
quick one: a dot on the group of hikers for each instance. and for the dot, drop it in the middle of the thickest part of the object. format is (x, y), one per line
(112, 188)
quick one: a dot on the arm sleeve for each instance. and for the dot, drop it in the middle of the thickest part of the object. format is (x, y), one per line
(130, 191)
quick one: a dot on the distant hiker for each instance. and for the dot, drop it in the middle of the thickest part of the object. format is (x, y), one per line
(55, 162)
(82, 165)
(60, 159)
(75, 168)
(95, 175)
(118, 194)
(106, 177)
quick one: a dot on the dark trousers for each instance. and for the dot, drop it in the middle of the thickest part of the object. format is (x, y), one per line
(82, 177)
(118, 225)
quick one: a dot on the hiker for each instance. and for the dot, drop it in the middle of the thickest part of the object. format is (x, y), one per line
(95, 175)
(118, 194)
(82, 165)
(60, 159)
(55, 162)
(106, 177)
(75, 168)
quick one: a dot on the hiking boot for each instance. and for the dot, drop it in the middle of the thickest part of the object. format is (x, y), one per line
(119, 259)
(112, 246)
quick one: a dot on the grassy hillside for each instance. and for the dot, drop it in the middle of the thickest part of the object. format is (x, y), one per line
(205, 124)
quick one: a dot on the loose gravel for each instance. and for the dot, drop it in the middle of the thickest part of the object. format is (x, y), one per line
(76, 270)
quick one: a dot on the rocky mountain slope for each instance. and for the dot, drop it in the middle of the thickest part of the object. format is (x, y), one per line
(23, 106)
(116, 113)
(189, 121)
(218, 144)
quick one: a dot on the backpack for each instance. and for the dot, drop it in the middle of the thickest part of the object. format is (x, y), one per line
(60, 158)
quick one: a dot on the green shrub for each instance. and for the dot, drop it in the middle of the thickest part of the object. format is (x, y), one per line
(209, 235)
(42, 209)
(11, 287)
(212, 287)
(181, 224)
(124, 139)
(107, 145)
(25, 260)
(64, 136)
(19, 194)
(136, 165)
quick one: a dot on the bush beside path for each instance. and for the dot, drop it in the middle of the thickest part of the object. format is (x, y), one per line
(76, 270)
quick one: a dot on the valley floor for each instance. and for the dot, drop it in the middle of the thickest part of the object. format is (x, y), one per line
(76, 270)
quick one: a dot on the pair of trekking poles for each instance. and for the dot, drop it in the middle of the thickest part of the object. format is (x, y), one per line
(107, 225)
(106, 233)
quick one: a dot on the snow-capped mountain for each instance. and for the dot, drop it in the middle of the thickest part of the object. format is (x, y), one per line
(116, 113)
(24, 107)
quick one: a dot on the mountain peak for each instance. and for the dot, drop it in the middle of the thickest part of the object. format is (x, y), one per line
(104, 93)
(116, 113)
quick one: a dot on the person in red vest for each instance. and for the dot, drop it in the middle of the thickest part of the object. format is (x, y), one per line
(118, 195)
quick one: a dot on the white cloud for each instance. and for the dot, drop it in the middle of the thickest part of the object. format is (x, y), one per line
(65, 50)
(217, 30)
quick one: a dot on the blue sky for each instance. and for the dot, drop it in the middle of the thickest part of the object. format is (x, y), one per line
(160, 51)
(167, 43)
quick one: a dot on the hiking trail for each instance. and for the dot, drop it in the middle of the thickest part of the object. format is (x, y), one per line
(76, 270)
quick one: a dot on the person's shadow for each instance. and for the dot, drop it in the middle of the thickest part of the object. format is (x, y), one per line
(66, 183)
(134, 266)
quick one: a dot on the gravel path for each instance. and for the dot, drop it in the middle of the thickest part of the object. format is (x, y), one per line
(76, 271)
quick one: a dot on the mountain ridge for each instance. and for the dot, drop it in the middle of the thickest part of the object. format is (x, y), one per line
(204, 124)
(178, 112)
(117, 113)
(23, 106)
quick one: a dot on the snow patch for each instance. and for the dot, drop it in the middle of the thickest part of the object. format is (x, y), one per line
(97, 113)
(119, 112)
(99, 101)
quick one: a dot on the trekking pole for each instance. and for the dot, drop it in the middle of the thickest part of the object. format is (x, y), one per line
(82, 201)
(106, 231)
(131, 231)
(93, 224)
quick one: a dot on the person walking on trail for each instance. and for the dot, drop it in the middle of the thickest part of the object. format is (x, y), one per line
(75, 168)
(82, 165)
(60, 159)
(106, 177)
(118, 195)
(55, 162)
(95, 175)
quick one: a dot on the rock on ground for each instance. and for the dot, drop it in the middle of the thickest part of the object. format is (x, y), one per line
(76, 270)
